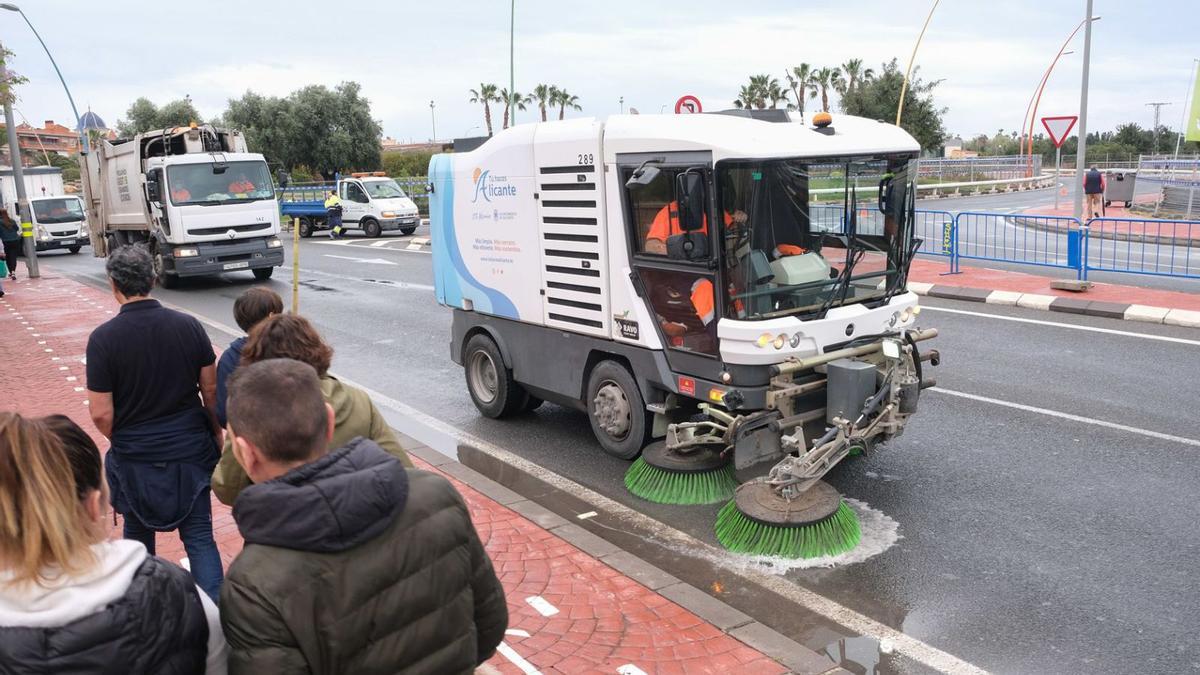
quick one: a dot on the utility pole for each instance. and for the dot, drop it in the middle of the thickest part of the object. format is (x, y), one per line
(1081, 154)
(14, 154)
(433, 118)
(1157, 109)
(622, 101)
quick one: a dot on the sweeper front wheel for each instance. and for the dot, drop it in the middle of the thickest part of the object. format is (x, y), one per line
(664, 476)
(759, 521)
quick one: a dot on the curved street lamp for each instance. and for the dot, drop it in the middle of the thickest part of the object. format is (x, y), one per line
(83, 140)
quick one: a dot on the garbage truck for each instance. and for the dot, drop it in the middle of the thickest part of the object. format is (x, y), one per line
(733, 284)
(193, 195)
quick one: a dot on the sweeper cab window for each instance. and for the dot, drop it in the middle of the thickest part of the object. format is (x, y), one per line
(805, 235)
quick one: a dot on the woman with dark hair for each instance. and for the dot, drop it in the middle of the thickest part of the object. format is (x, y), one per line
(290, 336)
(10, 234)
(72, 600)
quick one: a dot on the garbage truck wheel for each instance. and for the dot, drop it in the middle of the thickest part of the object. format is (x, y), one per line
(617, 411)
(490, 384)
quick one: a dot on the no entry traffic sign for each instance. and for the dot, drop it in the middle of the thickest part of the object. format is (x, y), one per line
(1059, 127)
(687, 104)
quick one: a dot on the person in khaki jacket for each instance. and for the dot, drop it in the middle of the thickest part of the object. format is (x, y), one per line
(352, 564)
(293, 337)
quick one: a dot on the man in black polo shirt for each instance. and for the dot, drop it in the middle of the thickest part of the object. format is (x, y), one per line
(151, 384)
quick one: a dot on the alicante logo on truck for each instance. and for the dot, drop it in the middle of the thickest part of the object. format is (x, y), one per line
(489, 186)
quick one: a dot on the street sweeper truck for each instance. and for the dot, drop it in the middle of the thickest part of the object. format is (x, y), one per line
(720, 293)
(194, 196)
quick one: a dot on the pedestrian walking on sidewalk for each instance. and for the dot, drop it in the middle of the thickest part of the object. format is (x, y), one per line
(152, 389)
(1093, 186)
(3, 270)
(249, 309)
(71, 599)
(352, 563)
(10, 235)
(290, 336)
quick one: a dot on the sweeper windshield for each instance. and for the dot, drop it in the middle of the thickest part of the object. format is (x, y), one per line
(803, 235)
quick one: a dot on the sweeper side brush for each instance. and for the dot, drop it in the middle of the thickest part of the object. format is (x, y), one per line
(665, 476)
(758, 521)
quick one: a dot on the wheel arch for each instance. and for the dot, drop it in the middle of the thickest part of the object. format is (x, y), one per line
(483, 329)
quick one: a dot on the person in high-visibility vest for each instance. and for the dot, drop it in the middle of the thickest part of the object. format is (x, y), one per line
(333, 212)
(666, 225)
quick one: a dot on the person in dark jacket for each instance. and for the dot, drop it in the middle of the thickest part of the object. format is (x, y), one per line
(1094, 184)
(10, 235)
(352, 563)
(80, 602)
(249, 310)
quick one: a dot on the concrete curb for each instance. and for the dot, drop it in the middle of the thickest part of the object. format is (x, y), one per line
(1054, 303)
(789, 653)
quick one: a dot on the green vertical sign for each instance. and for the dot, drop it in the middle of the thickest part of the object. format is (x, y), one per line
(1193, 127)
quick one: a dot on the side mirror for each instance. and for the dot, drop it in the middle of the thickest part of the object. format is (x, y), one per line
(689, 193)
(644, 175)
(153, 191)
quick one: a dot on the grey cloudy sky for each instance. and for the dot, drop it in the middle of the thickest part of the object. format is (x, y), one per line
(990, 55)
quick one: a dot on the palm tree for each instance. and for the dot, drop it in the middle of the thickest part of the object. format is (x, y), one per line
(774, 93)
(564, 99)
(486, 94)
(824, 79)
(801, 82)
(855, 75)
(515, 99)
(745, 97)
(761, 85)
(544, 95)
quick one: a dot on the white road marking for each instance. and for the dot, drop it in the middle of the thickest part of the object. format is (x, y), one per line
(377, 244)
(355, 244)
(368, 261)
(585, 516)
(1068, 416)
(511, 654)
(542, 605)
(630, 669)
(1056, 324)
(517, 632)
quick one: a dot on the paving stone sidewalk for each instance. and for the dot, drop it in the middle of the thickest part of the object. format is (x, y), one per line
(571, 612)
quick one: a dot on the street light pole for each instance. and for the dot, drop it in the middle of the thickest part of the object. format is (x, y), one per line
(912, 59)
(83, 139)
(14, 154)
(1081, 154)
(433, 118)
(622, 101)
(512, 31)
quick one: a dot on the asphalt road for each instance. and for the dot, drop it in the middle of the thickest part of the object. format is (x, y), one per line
(1030, 542)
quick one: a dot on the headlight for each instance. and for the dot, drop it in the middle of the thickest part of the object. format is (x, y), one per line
(916, 310)
(388, 214)
(780, 341)
(274, 242)
(764, 339)
(186, 252)
(906, 314)
(42, 233)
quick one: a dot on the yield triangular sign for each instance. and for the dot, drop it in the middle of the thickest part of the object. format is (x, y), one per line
(1059, 127)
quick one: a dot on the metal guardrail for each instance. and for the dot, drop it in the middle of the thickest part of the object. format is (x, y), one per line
(1122, 245)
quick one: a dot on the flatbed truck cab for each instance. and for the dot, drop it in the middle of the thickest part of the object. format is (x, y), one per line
(691, 276)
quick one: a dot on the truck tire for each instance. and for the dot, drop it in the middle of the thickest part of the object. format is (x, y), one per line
(491, 385)
(165, 278)
(306, 228)
(617, 411)
(408, 230)
(371, 227)
(74, 249)
(263, 273)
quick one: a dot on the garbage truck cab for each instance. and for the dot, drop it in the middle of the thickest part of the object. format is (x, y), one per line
(724, 280)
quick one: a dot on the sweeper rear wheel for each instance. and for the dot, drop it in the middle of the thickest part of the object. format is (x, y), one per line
(758, 521)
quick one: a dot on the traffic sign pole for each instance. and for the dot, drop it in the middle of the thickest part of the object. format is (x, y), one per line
(1057, 174)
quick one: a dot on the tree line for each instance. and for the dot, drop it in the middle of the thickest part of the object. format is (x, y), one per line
(861, 91)
(546, 96)
(311, 133)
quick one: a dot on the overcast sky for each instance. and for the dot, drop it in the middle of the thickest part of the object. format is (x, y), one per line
(991, 55)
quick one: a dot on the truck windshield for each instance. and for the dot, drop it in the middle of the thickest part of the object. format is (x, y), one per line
(804, 235)
(201, 184)
(65, 210)
(383, 189)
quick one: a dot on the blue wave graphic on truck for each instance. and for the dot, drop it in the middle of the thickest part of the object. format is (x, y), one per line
(452, 281)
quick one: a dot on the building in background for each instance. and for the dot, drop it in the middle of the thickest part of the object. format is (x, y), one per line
(37, 144)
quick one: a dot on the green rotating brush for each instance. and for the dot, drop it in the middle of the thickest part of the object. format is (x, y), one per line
(758, 521)
(664, 476)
